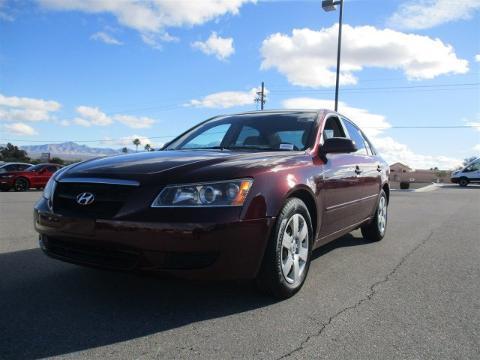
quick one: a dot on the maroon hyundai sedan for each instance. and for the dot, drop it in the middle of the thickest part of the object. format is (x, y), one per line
(244, 196)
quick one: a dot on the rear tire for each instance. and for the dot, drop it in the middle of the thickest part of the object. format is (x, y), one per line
(463, 182)
(21, 184)
(375, 230)
(287, 257)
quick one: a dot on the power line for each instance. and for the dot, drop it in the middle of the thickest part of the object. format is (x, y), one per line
(409, 87)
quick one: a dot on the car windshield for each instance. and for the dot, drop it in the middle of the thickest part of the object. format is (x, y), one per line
(34, 168)
(288, 131)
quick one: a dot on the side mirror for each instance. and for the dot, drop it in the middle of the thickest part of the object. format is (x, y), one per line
(338, 145)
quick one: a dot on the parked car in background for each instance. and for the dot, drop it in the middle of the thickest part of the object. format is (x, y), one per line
(35, 176)
(242, 196)
(13, 166)
(469, 174)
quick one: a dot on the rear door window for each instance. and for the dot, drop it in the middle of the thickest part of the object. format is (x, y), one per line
(356, 136)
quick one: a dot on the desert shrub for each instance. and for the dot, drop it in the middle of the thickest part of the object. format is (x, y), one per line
(404, 185)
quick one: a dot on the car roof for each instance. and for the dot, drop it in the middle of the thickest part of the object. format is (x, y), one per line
(14, 163)
(279, 111)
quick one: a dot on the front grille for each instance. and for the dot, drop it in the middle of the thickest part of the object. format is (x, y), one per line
(91, 255)
(108, 199)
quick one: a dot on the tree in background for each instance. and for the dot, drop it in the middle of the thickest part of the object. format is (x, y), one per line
(57, 160)
(136, 142)
(124, 150)
(12, 153)
(148, 147)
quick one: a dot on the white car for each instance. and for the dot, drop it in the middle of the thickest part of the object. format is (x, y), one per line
(469, 174)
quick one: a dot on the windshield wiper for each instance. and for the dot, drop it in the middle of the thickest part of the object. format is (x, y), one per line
(205, 148)
(249, 148)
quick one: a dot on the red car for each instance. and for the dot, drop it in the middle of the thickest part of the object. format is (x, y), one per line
(242, 196)
(36, 176)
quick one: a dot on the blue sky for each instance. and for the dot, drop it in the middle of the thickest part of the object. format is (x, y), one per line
(101, 74)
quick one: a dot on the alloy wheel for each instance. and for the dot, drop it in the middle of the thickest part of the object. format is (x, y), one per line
(21, 185)
(295, 249)
(382, 215)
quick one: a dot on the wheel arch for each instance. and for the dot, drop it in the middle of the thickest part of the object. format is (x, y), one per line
(306, 195)
(22, 178)
(386, 188)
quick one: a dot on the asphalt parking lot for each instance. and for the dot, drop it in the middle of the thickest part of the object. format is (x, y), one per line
(414, 295)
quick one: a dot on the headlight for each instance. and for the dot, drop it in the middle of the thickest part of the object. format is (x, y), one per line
(49, 188)
(221, 193)
(52, 184)
(6, 176)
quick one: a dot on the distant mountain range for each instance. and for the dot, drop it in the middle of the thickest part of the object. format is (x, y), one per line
(69, 151)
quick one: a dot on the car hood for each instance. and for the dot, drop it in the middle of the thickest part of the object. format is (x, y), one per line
(181, 165)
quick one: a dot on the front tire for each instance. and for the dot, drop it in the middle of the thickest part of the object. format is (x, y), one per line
(21, 184)
(375, 230)
(287, 257)
(463, 182)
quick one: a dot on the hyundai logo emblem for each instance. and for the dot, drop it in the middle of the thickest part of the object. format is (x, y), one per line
(85, 198)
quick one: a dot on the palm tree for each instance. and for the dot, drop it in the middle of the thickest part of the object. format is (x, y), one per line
(136, 142)
(148, 147)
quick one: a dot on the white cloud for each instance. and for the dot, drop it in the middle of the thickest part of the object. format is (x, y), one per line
(374, 125)
(93, 115)
(106, 38)
(425, 14)
(4, 13)
(393, 151)
(15, 108)
(135, 122)
(477, 147)
(152, 16)
(308, 57)
(82, 122)
(477, 58)
(222, 48)
(474, 124)
(154, 40)
(226, 99)
(20, 129)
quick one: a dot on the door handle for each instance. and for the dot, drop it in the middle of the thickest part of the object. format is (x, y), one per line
(357, 170)
(379, 168)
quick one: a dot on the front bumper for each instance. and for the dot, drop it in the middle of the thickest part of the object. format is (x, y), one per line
(454, 180)
(6, 182)
(232, 250)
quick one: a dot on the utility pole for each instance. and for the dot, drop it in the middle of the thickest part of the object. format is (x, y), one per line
(261, 96)
(329, 5)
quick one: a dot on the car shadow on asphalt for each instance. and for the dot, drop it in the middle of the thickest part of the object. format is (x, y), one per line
(347, 240)
(49, 308)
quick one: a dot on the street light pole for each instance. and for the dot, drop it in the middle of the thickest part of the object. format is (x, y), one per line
(329, 5)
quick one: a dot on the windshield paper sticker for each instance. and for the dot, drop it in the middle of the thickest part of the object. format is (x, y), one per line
(286, 147)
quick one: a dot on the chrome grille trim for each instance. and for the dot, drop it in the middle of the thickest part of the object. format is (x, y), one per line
(100, 181)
